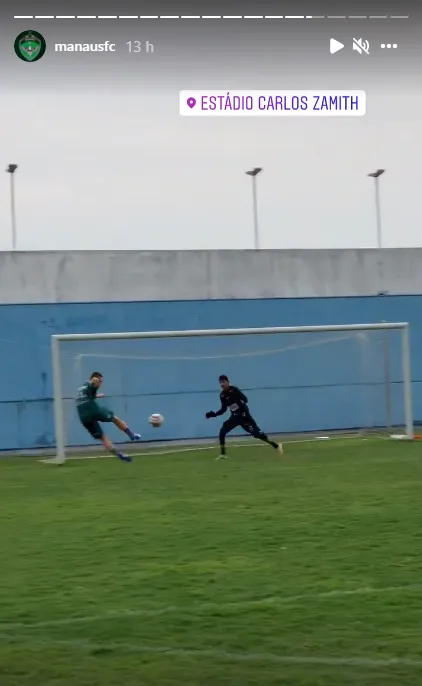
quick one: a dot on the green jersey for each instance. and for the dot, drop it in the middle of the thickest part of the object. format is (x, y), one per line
(88, 408)
(86, 403)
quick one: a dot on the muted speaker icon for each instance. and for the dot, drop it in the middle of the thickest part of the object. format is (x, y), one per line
(361, 46)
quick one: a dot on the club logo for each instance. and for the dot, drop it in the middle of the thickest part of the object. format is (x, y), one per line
(30, 46)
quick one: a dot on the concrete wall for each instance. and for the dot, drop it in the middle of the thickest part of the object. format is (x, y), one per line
(201, 275)
(304, 386)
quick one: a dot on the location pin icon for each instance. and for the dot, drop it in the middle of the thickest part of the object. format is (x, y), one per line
(191, 102)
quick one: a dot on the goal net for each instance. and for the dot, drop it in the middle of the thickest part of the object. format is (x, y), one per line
(298, 380)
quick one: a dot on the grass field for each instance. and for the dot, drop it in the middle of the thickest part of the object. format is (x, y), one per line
(302, 570)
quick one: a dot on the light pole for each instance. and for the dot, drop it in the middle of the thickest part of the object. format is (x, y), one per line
(253, 173)
(376, 175)
(11, 170)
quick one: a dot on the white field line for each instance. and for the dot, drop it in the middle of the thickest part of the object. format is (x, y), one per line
(273, 601)
(227, 656)
(152, 451)
(189, 449)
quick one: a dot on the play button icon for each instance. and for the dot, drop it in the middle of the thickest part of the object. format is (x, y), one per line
(335, 46)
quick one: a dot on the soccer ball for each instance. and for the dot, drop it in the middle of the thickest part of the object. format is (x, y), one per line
(156, 420)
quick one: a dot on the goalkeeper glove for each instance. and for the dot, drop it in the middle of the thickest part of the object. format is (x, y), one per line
(210, 414)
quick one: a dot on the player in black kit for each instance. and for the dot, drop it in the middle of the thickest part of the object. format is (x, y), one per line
(234, 400)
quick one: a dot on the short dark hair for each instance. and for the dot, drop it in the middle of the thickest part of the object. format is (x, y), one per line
(223, 377)
(97, 375)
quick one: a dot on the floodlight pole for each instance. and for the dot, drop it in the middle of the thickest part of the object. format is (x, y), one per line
(376, 175)
(253, 173)
(11, 170)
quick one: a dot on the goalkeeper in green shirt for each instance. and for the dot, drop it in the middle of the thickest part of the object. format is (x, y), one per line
(91, 414)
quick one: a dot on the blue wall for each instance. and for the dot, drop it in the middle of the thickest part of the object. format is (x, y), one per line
(306, 387)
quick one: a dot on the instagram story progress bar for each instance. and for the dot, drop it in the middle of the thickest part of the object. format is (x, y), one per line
(289, 103)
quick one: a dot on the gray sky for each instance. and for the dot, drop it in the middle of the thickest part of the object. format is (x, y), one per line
(106, 162)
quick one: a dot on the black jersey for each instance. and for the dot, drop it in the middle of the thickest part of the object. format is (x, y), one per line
(234, 400)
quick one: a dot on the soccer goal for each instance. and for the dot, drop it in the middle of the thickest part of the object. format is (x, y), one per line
(299, 380)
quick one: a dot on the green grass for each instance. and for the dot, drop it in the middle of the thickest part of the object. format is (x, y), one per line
(185, 571)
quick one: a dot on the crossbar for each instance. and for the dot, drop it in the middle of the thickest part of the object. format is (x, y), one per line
(197, 333)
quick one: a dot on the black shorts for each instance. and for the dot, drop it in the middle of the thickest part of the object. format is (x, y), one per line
(245, 422)
(93, 427)
(92, 424)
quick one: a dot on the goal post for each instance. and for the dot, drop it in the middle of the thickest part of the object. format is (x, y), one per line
(319, 361)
